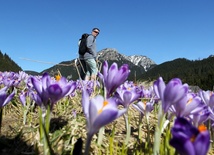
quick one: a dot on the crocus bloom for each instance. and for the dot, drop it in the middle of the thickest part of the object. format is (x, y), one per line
(144, 107)
(200, 117)
(4, 97)
(126, 96)
(114, 77)
(208, 99)
(49, 90)
(99, 112)
(188, 140)
(22, 98)
(172, 93)
(192, 105)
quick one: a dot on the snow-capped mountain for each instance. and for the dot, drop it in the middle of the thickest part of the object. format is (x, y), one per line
(138, 65)
(138, 60)
(143, 61)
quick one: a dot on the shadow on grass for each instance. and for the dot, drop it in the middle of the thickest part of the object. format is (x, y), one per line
(57, 124)
(15, 146)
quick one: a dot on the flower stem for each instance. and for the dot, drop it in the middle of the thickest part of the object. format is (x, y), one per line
(88, 143)
(140, 126)
(158, 131)
(128, 128)
(100, 136)
(44, 123)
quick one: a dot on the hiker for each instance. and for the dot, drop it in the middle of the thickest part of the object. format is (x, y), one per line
(90, 56)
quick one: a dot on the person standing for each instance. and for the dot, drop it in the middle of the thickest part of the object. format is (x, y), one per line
(91, 55)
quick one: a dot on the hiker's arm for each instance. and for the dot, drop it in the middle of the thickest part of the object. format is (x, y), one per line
(91, 46)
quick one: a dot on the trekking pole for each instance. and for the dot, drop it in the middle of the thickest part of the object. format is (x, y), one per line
(77, 68)
(81, 65)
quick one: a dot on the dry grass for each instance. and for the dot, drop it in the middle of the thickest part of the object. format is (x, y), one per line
(67, 125)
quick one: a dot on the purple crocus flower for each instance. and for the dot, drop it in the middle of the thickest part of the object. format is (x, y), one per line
(126, 96)
(144, 108)
(113, 77)
(208, 99)
(99, 112)
(188, 140)
(189, 105)
(4, 97)
(200, 117)
(49, 91)
(173, 93)
(22, 97)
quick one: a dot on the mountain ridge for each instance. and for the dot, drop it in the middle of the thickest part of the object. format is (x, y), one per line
(137, 64)
(194, 72)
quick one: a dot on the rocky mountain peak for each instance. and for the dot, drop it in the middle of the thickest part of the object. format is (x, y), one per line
(110, 54)
(143, 61)
(138, 60)
(138, 65)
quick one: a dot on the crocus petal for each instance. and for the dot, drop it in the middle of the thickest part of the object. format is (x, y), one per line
(194, 106)
(46, 80)
(114, 77)
(127, 96)
(85, 102)
(55, 92)
(202, 143)
(101, 112)
(159, 87)
(187, 139)
(211, 101)
(173, 93)
(9, 98)
(106, 117)
(183, 146)
(37, 85)
(110, 79)
(205, 96)
(37, 99)
(105, 69)
(123, 74)
(22, 98)
(140, 107)
(72, 88)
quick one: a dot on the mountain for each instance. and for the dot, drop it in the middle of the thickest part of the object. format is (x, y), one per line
(138, 65)
(142, 61)
(196, 73)
(7, 64)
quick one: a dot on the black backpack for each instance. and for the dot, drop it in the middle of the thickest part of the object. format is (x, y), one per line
(83, 44)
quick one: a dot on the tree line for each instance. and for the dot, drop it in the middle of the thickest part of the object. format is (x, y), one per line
(193, 72)
(196, 73)
(7, 64)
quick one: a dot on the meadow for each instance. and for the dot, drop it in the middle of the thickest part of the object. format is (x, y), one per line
(113, 116)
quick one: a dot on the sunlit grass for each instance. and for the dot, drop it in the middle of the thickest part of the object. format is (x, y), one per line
(68, 124)
(21, 130)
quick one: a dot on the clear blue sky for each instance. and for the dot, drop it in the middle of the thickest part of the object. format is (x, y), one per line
(48, 30)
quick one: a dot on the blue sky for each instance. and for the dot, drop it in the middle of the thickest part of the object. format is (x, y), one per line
(48, 30)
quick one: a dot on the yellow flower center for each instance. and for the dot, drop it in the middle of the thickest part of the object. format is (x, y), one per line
(129, 88)
(189, 101)
(144, 102)
(104, 104)
(57, 77)
(201, 128)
